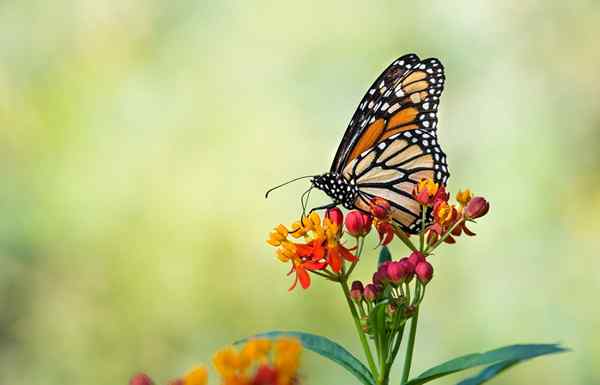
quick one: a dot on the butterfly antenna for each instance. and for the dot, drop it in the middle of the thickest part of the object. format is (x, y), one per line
(288, 182)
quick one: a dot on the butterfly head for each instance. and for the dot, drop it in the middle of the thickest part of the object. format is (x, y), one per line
(337, 187)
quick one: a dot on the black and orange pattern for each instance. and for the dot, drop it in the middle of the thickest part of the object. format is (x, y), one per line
(391, 142)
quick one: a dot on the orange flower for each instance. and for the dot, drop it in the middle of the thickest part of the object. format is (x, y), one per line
(445, 214)
(425, 191)
(259, 362)
(197, 376)
(322, 247)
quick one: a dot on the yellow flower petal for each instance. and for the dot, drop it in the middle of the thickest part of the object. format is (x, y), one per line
(197, 376)
(287, 358)
(256, 350)
(463, 197)
(227, 361)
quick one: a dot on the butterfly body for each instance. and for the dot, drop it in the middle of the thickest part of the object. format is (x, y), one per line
(391, 142)
(339, 189)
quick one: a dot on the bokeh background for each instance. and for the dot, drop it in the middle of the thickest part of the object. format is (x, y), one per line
(137, 139)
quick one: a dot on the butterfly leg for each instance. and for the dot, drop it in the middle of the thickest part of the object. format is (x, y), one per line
(326, 207)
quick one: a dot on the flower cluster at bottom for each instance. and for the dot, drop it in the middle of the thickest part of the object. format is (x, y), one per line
(258, 362)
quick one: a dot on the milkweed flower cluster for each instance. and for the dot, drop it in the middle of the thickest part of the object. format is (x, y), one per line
(259, 362)
(449, 221)
(316, 246)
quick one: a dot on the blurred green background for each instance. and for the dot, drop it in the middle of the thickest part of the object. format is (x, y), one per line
(137, 139)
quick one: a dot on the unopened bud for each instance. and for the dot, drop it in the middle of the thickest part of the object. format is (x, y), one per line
(335, 215)
(380, 277)
(370, 292)
(396, 272)
(415, 257)
(356, 292)
(358, 224)
(424, 272)
(408, 267)
(477, 207)
(141, 379)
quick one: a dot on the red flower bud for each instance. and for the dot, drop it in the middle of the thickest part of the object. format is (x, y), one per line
(396, 272)
(408, 267)
(477, 207)
(424, 272)
(371, 292)
(335, 216)
(380, 277)
(380, 208)
(358, 224)
(415, 257)
(265, 375)
(141, 379)
(356, 292)
(386, 232)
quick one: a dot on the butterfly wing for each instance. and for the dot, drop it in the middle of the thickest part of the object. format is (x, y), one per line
(404, 97)
(391, 169)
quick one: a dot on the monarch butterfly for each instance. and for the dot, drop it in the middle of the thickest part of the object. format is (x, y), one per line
(391, 143)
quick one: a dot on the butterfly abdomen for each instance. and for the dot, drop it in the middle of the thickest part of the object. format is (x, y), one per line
(338, 188)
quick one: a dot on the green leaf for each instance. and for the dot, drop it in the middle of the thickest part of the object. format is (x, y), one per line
(384, 255)
(328, 349)
(373, 320)
(499, 357)
(489, 373)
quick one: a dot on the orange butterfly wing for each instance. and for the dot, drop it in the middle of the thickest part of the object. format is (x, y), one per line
(404, 97)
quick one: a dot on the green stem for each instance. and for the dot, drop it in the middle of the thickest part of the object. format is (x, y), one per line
(430, 248)
(410, 347)
(361, 334)
(326, 275)
(422, 233)
(402, 235)
(396, 347)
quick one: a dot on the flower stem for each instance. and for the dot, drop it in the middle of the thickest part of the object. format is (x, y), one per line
(422, 233)
(361, 334)
(400, 234)
(410, 347)
(430, 248)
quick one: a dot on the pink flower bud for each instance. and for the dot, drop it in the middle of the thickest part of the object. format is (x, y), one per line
(380, 277)
(396, 272)
(415, 257)
(477, 207)
(356, 292)
(358, 224)
(371, 292)
(335, 216)
(380, 208)
(424, 272)
(408, 267)
(140, 379)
